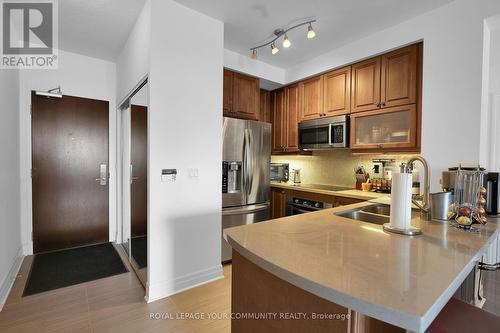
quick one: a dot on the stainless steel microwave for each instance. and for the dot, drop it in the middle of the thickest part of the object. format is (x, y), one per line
(324, 133)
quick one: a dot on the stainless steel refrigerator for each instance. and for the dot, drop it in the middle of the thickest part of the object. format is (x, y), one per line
(245, 175)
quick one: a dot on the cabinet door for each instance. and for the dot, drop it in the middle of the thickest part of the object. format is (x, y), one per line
(279, 119)
(246, 96)
(227, 93)
(337, 92)
(312, 98)
(365, 85)
(291, 127)
(265, 106)
(399, 77)
(278, 203)
(394, 127)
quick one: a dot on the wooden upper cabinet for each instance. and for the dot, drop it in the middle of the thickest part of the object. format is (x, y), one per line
(365, 85)
(227, 93)
(337, 92)
(312, 98)
(292, 117)
(278, 120)
(246, 94)
(399, 77)
(265, 106)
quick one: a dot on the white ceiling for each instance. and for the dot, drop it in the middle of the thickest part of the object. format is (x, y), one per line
(249, 23)
(96, 28)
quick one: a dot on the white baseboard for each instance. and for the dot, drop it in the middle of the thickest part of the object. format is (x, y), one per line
(162, 290)
(8, 282)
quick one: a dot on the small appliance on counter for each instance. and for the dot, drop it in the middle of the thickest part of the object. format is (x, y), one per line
(296, 176)
(469, 188)
(491, 185)
(280, 172)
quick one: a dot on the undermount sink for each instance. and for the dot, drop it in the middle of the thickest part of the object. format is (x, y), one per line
(376, 214)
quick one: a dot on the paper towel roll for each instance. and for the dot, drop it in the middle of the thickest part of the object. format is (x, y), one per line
(401, 189)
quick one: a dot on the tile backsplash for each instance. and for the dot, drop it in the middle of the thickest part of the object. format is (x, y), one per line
(333, 167)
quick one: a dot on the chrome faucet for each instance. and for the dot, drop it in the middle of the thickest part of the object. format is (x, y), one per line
(425, 207)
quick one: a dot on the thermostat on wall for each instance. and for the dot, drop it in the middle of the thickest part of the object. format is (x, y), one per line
(168, 175)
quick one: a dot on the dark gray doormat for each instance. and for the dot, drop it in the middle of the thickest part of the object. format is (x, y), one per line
(54, 270)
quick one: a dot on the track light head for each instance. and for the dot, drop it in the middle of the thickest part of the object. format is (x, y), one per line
(254, 54)
(286, 42)
(274, 49)
(310, 32)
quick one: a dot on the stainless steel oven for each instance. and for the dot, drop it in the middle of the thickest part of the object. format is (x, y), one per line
(324, 133)
(295, 206)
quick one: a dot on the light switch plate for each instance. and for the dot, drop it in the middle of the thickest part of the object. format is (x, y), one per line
(168, 175)
(193, 172)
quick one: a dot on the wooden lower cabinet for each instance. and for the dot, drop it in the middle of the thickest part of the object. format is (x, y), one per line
(343, 201)
(278, 203)
(256, 291)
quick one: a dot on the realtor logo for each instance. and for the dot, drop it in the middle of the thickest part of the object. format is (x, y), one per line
(29, 38)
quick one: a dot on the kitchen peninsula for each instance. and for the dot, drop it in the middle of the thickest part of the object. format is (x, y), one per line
(324, 263)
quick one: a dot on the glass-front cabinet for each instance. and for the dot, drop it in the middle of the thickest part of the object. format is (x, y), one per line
(391, 128)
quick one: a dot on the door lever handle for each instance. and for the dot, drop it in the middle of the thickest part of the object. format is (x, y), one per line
(103, 173)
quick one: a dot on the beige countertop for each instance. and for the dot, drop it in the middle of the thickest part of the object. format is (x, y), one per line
(355, 194)
(402, 280)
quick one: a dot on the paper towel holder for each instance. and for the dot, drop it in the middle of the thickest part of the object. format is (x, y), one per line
(411, 231)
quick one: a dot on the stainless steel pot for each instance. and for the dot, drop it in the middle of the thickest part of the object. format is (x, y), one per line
(440, 204)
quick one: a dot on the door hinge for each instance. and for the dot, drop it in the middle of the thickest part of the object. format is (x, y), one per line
(31, 109)
(32, 236)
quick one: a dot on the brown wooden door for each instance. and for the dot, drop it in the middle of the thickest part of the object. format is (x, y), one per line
(292, 117)
(278, 203)
(279, 119)
(246, 95)
(399, 77)
(138, 159)
(265, 106)
(337, 92)
(365, 91)
(69, 144)
(390, 128)
(227, 93)
(312, 98)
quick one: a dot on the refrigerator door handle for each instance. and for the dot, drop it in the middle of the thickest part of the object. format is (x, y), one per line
(251, 159)
(246, 161)
(245, 209)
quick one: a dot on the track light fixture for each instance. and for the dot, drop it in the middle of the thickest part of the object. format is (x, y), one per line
(286, 42)
(274, 49)
(310, 32)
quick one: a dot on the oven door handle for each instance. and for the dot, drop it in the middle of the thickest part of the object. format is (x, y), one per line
(303, 211)
(330, 134)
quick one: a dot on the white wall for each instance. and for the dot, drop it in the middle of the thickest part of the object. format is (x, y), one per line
(452, 82)
(245, 64)
(133, 62)
(185, 131)
(78, 76)
(10, 231)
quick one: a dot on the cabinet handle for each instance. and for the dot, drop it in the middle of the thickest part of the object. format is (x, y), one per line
(383, 103)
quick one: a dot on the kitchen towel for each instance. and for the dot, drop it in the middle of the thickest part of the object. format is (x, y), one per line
(401, 200)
